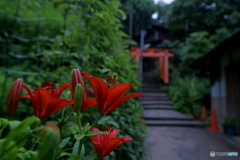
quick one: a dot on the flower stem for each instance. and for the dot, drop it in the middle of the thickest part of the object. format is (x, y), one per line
(79, 120)
(100, 116)
(80, 132)
(67, 119)
(63, 111)
(33, 143)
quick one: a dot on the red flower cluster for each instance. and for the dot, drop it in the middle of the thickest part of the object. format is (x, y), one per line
(104, 144)
(45, 101)
(108, 96)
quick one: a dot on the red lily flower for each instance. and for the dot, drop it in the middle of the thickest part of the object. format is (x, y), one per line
(104, 144)
(50, 87)
(44, 104)
(45, 100)
(109, 98)
(76, 79)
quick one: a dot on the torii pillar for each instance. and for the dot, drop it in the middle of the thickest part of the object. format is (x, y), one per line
(162, 54)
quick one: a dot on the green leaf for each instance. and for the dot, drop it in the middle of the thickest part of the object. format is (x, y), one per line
(64, 143)
(108, 120)
(48, 145)
(3, 122)
(86, 128)
(31, 155)
(57, 0)
(82, 153)
(73, 157)
(74, 129)
(105, 70)
(78, 137)
(18, 134)
(75, 148)
(13, 150)
(95, 133)
(21, 156)
(91, 156)
(63, 6)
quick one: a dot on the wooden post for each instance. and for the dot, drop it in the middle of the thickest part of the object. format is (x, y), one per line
(161, 66)
(166, 71)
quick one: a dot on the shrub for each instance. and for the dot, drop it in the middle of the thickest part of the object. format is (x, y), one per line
(187, 94)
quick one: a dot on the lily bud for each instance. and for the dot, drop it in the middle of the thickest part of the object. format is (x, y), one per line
(77, 78)
(14, 96)
(50, 129)
(78, 96)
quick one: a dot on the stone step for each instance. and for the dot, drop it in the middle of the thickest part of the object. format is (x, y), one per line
(150, 85)
(168, 118)
(175, 123)
(148, 98)
(155, 114)
(154, 90)
(148, 79)
(158, 107)
(150, 94)
(156, 103)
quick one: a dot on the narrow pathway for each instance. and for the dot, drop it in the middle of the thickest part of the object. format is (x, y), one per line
(159, 110)
(174, 136)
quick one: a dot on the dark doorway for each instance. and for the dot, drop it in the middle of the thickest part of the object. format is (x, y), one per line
(149, 64)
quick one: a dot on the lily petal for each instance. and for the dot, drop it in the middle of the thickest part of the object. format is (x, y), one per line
(95, 139)
(61, 88)
(116, 92)
(112, 144)
(87, 103)
(55, 105)
(42, 99)
(122, 100)
(112, 133)
(27, 96)
(100, 90)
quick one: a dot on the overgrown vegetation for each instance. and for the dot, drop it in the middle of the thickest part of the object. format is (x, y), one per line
(44, 39)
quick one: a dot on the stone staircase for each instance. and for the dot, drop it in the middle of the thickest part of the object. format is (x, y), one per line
(159, 110)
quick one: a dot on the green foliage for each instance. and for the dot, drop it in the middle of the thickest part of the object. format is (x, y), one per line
(220, 35)
(196, 45)
(187, 94)
(230, 121)
(200, 15)
(15, 145)
(139, 12)
(43, 40)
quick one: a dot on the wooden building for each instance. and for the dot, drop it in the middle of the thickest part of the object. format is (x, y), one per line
(223, 63)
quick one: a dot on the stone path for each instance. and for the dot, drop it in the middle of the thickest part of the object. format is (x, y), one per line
(188, 143)
(159, 110)
(174, 136)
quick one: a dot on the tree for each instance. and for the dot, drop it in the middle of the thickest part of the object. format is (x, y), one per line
(138, 15)
(199, 15)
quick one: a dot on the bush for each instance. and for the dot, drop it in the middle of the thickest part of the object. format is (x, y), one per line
(187, 94)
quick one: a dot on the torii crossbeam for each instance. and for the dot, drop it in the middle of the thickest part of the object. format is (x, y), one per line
(162, 54)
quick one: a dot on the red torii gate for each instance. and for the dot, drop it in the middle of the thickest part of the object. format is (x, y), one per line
(161, 53)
